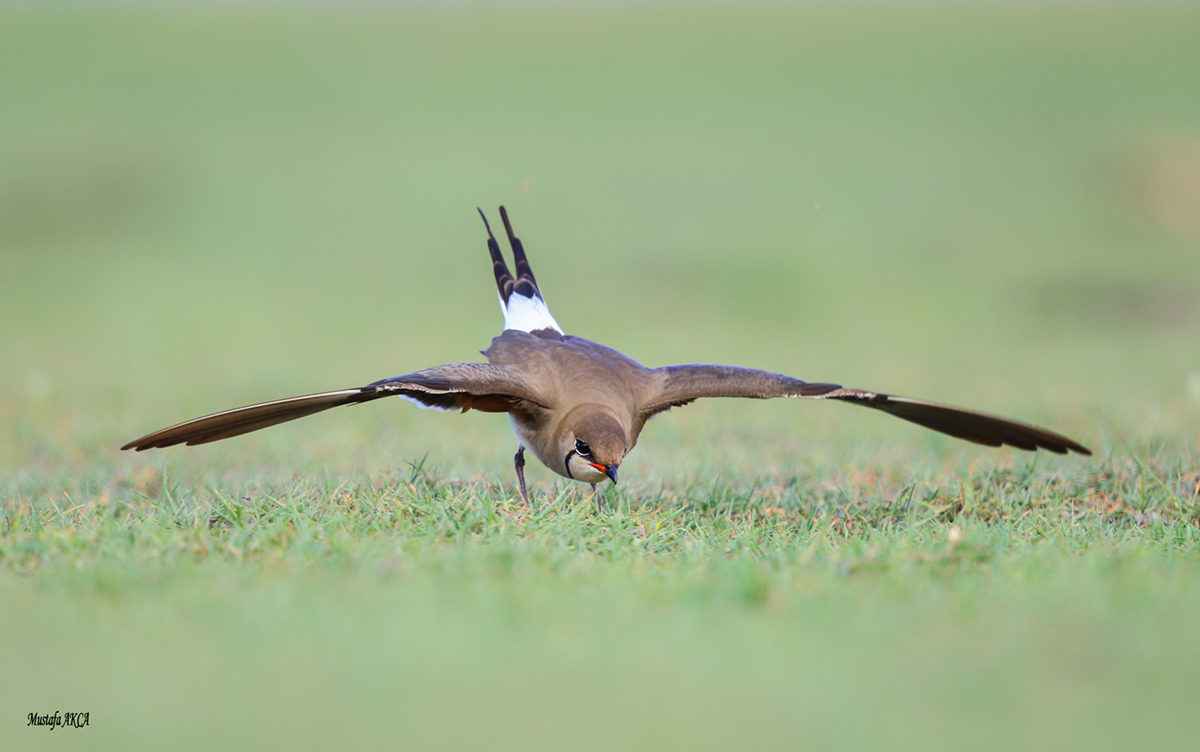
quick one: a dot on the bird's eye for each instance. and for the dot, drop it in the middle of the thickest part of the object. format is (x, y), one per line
(582, 447)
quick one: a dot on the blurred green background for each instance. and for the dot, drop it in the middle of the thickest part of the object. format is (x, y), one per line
(199, 209)
(205, 208)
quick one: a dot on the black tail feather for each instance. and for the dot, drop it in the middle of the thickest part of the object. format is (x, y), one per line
(504, 279)
(525, 283)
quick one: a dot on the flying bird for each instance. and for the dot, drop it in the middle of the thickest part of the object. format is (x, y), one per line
(579, 406)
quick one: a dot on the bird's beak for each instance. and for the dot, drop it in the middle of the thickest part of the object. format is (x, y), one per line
(609, 470)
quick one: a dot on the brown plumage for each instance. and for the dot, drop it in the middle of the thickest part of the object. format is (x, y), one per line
(579, 406)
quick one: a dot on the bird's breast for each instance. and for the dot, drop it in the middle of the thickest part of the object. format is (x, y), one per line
(537, 440)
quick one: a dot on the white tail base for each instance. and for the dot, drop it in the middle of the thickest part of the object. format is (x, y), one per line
(528, 314)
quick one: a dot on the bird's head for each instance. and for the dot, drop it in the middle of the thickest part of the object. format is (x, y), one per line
(593, 444)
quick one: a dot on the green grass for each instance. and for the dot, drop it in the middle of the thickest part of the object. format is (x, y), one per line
(201, 210)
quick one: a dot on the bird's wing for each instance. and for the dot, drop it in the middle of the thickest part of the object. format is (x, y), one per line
(680, 385)
(458, 386)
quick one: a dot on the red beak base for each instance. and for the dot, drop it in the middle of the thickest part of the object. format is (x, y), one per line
(610, 470)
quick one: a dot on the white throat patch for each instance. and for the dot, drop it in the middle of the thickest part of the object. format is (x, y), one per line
(582, 470)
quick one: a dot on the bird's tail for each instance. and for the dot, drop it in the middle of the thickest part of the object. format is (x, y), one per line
(520, 298)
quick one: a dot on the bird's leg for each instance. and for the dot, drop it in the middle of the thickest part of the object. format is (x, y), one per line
(599, 496)
(519, 461)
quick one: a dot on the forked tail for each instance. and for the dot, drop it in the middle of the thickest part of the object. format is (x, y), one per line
(520, 298)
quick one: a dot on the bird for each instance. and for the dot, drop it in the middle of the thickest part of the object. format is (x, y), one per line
(578, 406)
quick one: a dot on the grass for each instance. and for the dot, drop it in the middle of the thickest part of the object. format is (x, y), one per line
(1012, 609)
(985, 207)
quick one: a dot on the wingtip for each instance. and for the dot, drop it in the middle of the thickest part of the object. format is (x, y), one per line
(1067, 446)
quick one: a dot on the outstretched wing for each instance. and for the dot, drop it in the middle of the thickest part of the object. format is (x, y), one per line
(680, 385)
(458, 387)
